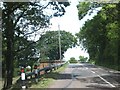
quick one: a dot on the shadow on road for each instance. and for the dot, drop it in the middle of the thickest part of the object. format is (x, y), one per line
(57, 76)
(101, 87)
(91, 80)
(83, 65)
(29, 82)
(96, 82)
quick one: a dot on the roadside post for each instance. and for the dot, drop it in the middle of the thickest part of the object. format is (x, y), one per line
(23, 77)
(36, 73)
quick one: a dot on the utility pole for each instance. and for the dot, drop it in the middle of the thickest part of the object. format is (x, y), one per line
(59, 39)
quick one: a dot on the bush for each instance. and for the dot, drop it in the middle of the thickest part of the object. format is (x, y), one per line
(72, 60)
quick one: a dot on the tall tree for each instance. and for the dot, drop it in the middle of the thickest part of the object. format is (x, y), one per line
(100, 36)
(22, 19)
(49, 45)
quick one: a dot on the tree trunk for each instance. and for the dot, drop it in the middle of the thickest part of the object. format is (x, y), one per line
(9, 57)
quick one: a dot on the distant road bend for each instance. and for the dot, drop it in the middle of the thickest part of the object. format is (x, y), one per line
(85, 75)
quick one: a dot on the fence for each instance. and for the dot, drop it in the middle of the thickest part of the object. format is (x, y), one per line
(44, 70)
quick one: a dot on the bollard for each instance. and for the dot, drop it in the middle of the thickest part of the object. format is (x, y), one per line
(23, 78)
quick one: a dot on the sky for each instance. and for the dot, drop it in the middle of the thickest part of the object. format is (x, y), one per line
(70, 22)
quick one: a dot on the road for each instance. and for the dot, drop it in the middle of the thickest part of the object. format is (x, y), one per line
(86, 75)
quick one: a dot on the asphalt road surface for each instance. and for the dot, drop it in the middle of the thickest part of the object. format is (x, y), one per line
(87, 76)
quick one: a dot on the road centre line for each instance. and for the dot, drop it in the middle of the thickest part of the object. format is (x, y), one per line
(104, 80)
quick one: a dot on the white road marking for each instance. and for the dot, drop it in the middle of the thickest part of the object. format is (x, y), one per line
(92, 71)
(104, 80)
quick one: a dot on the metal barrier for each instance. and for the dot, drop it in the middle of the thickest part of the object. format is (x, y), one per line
(46, 69)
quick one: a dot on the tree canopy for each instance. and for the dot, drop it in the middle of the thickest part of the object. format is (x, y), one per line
(100, 36)
(48, 44)
(19, 21)
(86, 8)
(73, 60)
(82, 58)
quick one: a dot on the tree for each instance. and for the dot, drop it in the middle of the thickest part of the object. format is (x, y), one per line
(22, 19)
(118, 18)
(49, 46)
(87, 8)
(99, 36)
(72, 60)
(82, 59)
(27, 56)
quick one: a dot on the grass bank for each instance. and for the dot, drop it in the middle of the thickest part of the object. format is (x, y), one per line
(49, 78)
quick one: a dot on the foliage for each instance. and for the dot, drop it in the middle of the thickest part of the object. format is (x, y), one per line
(19, 21)
(27, 56)
(86, 8)
(82, 59)
(83, 8)
(73, 60)
(48, 44)
(100, 37)
(50, 77)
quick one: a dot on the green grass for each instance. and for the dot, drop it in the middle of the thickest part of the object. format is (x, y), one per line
(49, 78)
(92, 61)
(62, 68)
(44, 83)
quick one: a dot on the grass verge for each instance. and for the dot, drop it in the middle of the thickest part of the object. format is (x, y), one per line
(47, 79)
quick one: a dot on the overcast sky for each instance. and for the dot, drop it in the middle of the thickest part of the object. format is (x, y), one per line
(70, 22)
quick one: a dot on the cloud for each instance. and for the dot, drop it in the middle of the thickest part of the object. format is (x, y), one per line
(75, 52)
(70, 22)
